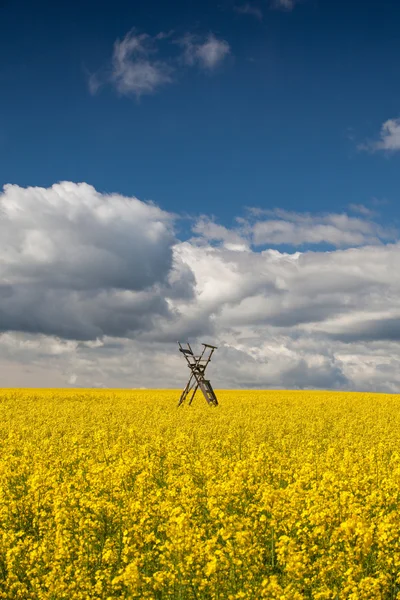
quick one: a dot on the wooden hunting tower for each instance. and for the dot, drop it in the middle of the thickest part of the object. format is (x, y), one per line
(197, 366)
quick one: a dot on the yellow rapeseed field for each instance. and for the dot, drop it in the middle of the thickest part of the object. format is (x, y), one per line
(119, 494)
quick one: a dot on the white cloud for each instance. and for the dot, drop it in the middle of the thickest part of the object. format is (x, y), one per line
(249, 9)
(207, 53)
(96, 289)
(136, 68)
(79, 264)
(297, 229)
(362, 210)
(208, 230)
(389, 140)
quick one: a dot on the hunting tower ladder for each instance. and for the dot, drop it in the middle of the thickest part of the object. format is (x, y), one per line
(197, 366)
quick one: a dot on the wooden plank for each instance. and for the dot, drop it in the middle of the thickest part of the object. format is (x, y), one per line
(186, 351)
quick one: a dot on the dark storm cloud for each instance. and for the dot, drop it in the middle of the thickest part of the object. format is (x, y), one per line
(370, 331)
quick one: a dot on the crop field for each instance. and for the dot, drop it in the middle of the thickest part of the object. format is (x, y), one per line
(119, 494)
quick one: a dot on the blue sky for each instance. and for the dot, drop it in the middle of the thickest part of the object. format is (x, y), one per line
(277, 124)
(223, 172)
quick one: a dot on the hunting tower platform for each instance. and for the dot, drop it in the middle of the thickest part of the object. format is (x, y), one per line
(197, 366)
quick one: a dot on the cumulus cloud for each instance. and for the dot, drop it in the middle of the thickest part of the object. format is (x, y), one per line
(96, 289)
(389, 139)
(79, 264)
(136, 67)
(299, 320)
